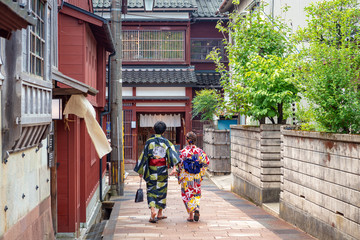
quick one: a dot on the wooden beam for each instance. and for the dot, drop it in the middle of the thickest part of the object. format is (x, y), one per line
(66, 91)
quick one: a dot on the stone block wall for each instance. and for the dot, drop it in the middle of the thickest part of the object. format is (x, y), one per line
(321, 183)
(255, 162)
(217, 146)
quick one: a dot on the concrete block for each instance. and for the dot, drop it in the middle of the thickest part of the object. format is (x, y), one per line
(254, 193)
(319, 229)
(270, 149)
(271, 163)
(221, 165)
(270, 142)
(269, 156)
(270, 135)
(270, 171)
(270, 127)
(270, 178)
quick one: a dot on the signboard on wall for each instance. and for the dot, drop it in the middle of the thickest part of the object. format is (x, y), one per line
(51, 148)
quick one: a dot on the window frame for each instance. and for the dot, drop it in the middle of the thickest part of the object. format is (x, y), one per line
(35, 55)
(210, 48)
(162, 59)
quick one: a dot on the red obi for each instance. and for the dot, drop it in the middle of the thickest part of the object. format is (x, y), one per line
(157, 162)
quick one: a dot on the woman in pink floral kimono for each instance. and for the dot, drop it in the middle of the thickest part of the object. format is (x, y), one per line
(191, 170)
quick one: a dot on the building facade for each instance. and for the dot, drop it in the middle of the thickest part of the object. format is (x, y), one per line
(27, 54)
(84, 43)
(164, 63)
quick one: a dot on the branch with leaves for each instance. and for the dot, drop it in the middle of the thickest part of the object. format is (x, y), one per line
(259, 83)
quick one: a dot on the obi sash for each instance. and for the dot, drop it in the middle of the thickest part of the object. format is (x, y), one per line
(157, 162)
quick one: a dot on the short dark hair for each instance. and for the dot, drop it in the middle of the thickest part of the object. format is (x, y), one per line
(159, 127)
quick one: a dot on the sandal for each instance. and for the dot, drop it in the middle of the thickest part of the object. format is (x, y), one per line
(196, 215)
(153, 220)
(190, 220)
(162, 217)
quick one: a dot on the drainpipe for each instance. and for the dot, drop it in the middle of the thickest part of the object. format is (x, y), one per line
(61, 5)
(106, 111)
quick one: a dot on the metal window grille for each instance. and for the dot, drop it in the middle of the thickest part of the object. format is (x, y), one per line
(153, 45)
(200, 48)
(37, 38)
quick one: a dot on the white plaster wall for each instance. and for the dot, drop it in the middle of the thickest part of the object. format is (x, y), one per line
(127, 91)
(295, 16)
(19, 176)
(161, 91)
(151, 104)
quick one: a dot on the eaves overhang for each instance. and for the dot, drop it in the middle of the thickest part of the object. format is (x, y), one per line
(13, 17)
(209, 19)
(75, 86)
(190, 10)
(226, 6)
(99, 26)
(158, 76)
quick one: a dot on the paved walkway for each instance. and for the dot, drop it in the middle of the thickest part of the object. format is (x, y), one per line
(223, 215)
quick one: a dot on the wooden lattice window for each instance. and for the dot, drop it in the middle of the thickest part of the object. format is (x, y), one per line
(37, 38)
(200, 48)
(153, 45)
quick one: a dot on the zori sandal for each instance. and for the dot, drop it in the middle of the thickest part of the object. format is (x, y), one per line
(153, 220)
(196, 215)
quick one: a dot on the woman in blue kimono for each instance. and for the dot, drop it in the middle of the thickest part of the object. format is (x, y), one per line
(158, 155)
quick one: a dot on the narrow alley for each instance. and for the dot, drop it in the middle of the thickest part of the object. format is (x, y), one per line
(223, 215)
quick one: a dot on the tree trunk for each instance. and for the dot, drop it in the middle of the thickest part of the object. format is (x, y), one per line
(281, 119)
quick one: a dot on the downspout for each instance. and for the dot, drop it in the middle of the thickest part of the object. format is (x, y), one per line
(106, 111)
(61, 5)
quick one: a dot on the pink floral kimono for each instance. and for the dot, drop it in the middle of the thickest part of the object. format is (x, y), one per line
(191, 183)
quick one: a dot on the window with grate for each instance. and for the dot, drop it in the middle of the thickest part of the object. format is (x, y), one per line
(200, 48)
(37, 38)
(153, 45)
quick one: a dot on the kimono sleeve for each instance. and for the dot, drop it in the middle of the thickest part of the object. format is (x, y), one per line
(205, 161)
(172, 156)
(142, 165)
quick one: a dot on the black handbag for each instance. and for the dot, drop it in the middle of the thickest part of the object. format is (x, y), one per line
(139, 197)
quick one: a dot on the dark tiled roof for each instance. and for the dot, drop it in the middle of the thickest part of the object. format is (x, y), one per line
(164, 4)
(207, 8)
(158, 75)
(101, 3)
(203, 8)
(208, 79)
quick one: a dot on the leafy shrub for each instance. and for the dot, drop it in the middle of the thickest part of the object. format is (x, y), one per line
(329, 64)
(205, 104)
(259, 83)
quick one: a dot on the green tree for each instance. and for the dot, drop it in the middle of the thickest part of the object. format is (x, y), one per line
(205, 104)
(329, 64)
(259, 83)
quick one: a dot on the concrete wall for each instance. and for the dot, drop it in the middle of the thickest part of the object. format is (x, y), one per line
(255, 162)
(217, 147)
(25, 192)
(321, 183)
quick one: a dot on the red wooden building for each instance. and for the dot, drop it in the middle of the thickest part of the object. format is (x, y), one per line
(84, 43)
(164, 63)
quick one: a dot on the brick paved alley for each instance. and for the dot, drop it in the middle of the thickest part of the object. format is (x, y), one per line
(224, 215)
